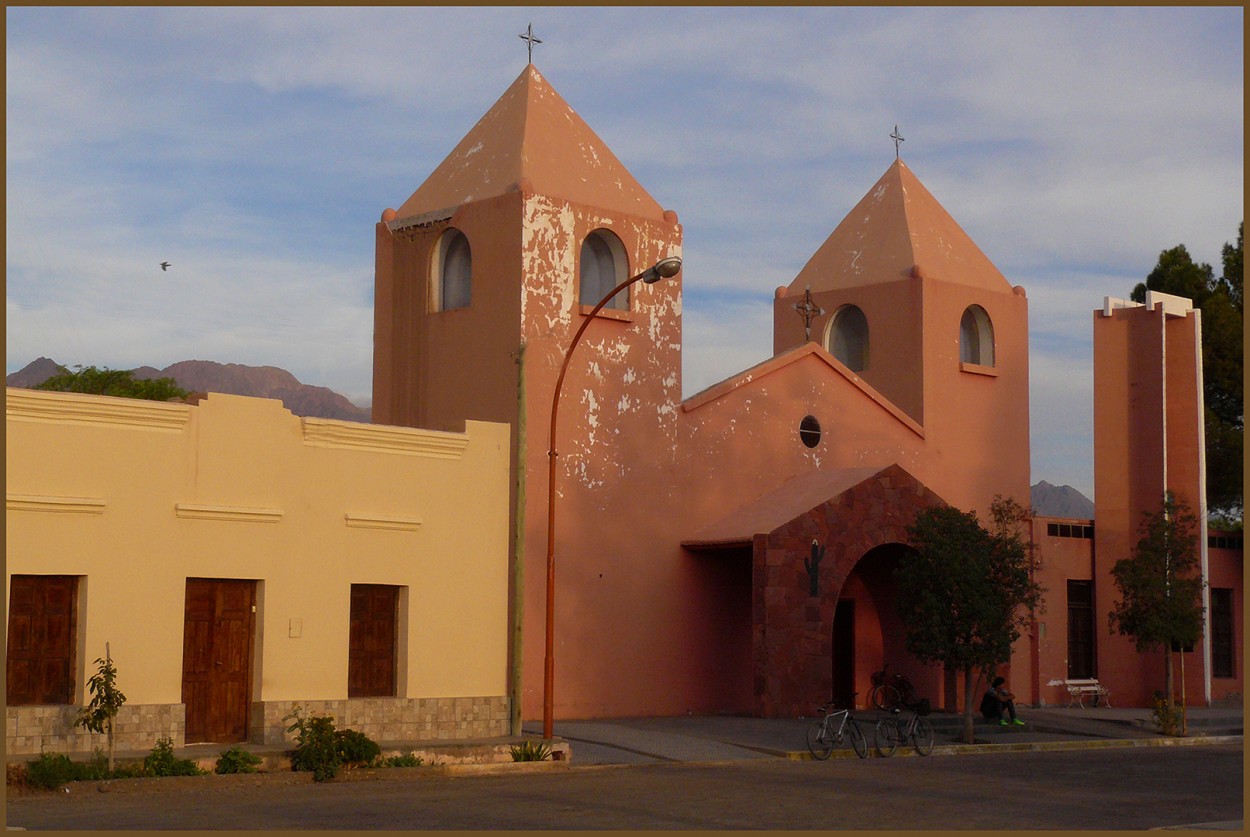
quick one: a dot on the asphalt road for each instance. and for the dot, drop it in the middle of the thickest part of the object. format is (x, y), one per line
(1120, 788)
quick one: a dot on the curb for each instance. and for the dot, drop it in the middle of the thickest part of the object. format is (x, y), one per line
(1035, 746)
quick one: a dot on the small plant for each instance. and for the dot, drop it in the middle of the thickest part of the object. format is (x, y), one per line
(106, 701)
(316, 749)
(1166, 715)
(356, 748)
(50, 771)
(531, 751)
(237, 760)
(406, 760)
(162, 761)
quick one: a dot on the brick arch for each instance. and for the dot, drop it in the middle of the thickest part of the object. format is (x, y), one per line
(793, 630)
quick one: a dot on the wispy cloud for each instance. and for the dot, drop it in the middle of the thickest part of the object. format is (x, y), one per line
(256, 147)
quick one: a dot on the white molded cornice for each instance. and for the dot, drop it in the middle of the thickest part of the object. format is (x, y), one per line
(199, 511)
(76, 408)
(434, 444)
(71, 505)
(374, 521)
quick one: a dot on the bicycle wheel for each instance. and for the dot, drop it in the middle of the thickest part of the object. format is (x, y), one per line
(886, 735)
(819, 740)
(885, 697)
(858, 741)
(922, 736)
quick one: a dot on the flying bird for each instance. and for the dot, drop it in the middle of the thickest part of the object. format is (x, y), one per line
(164, 265)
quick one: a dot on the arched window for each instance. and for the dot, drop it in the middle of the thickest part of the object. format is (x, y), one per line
(976, 337)
(603, 267)
(453, 272)
(847, 337)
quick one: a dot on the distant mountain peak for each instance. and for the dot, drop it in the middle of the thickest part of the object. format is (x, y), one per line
(204, 376)
(1060, 501)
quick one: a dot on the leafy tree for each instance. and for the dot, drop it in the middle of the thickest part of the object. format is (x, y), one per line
(1160, 602)
(106, 701)
(966, 592)
(116, 382)
(1220, 300)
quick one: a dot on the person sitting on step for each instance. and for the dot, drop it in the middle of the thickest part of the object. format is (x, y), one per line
(998, 700)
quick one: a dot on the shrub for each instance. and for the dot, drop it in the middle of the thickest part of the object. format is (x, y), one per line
(315, 747)
(1166, 715)
(50, 771)
(322, 749)
(354, 747)
(237, 760)
(406, 760)
(531, 751)
(162, 761)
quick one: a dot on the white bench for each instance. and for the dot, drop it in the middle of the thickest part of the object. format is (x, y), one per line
(1078, 690)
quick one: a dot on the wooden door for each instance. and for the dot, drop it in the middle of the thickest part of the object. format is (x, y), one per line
(371, 646)
(217, 658)
(42, 628)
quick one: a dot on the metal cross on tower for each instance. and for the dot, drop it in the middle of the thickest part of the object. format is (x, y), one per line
(897, 137)
(809, 311)
(530, 40)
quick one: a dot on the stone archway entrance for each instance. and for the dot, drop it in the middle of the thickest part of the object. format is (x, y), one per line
(805, 572)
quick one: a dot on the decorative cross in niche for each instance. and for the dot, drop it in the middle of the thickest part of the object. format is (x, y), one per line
(897, 139)
(530, 40)
(809, 311)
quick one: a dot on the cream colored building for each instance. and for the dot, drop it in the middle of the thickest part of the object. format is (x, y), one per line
(237, 560)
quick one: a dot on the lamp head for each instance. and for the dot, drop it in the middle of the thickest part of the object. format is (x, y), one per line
(662, 269)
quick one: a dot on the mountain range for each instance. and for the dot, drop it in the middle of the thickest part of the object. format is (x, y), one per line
(203, 376)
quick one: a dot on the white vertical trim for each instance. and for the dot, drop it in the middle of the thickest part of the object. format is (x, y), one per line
(1202, 511)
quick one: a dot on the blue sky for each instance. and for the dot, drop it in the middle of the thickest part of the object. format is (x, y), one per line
(256, 148)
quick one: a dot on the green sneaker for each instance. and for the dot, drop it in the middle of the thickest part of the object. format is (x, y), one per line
(1018, 722)
(1003, 722)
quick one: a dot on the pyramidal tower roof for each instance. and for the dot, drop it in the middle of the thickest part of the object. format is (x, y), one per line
(894, 229)
(532, 134)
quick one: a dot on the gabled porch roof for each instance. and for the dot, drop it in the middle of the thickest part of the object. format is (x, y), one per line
(773, 509)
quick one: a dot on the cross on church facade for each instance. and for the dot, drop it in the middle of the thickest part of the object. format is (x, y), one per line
(897, 137)
(530, 40)
(809, 311)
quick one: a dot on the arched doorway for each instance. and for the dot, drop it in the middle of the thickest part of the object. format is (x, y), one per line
(823, 611)
(868, 631)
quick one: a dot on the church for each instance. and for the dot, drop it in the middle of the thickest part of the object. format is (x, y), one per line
(732, 551)
(539, 522)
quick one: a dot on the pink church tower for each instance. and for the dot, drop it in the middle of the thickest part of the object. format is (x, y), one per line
(1148, 439)
(911, 306)
(482, 278)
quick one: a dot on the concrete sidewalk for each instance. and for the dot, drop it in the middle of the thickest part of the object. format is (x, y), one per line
(726, 738)
(718, 738)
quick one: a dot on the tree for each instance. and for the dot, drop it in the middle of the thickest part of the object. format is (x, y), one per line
(1160, 602)
(106, 701)
(116, 382)
(1220, 300)
(965, 592)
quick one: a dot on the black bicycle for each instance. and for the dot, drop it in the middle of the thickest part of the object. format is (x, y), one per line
(892, 731)
(825, 733)
(889, 691)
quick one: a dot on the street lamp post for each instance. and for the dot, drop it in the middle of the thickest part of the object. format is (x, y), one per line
(662, 269)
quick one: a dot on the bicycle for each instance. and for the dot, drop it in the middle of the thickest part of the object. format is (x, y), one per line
(890, 731)
(888, 694)
(825, 733)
